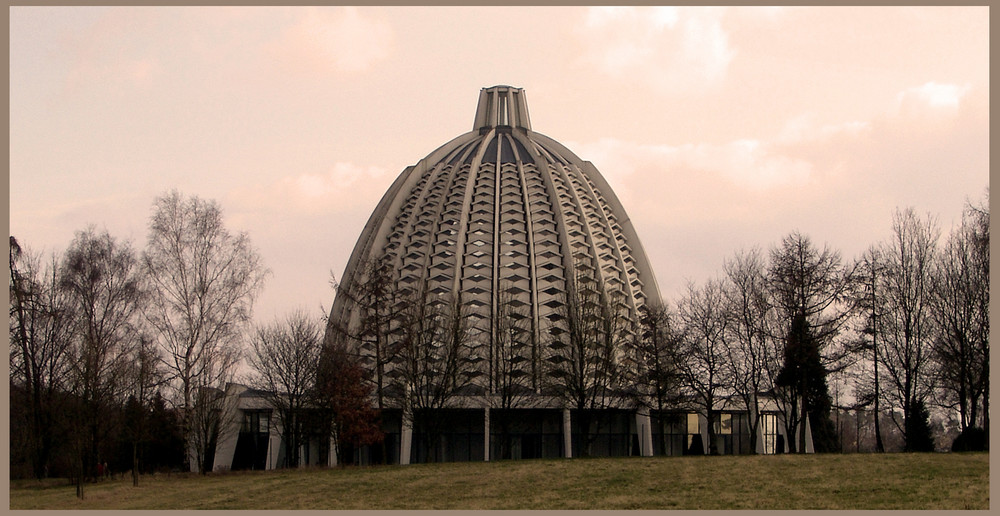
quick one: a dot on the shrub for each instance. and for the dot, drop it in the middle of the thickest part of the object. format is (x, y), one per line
(971, 439)
(696, 447)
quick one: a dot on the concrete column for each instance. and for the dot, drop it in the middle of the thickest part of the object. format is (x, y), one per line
(809, 436)
(703, 430)
(193, 458)
(486, 434)
(273, 445)
(405, 438)
(644, 428)
(567, 434)
(754, 416)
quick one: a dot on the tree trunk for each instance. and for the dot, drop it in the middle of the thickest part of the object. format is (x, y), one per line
(803, 418)
(584, 420)
(505, 448)
(713, 448)
(135, 464)
(379, 395)
(753, 423)
(879, 447)
(39, 431)
(79, 477)
(857, 430)
(663, 435)
(986, 408)
(791, 423)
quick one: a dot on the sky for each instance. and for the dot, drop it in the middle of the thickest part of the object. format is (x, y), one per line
(719, 129)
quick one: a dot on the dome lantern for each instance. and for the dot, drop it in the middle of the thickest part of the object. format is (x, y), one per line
(502, 106)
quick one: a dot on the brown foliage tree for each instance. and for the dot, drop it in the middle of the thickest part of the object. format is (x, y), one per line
(343, 394)
(375, 299)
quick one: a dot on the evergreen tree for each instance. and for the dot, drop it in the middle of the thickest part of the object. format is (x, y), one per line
(165, 448)
(811, 289)
(805, 377)
(918, 429)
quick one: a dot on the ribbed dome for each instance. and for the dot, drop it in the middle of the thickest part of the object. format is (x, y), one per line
(504, 207)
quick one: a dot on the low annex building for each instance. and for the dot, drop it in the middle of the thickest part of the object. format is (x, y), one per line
(250, 435)
(250, 438)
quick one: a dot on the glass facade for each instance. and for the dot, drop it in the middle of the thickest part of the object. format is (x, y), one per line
(252, 442)
(680, 433)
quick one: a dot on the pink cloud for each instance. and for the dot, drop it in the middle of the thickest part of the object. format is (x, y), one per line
(931, 99)
(344, 187)
(341, 39)
(665, 47)
(104, 54)
(696, 203)
(306, 226)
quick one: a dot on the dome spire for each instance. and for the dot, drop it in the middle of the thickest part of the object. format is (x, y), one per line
(502, 106)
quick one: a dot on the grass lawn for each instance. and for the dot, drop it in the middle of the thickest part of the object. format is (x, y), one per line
(890, 481)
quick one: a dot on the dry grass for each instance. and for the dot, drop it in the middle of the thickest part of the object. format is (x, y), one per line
(892, 481)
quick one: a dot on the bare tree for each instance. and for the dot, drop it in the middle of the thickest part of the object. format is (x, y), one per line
(40, 321)
(203, 281)
(144, 377)
(592, 336)
(510, 382)
(812, 282)
(905, 349)
(871, 308)
(702, 355)
(749, 307)
(285, 355)
(980, 215)
(960, 298)
(813, 292)
(376, 301)
(657, 347)
(434, 359)
(102, 279)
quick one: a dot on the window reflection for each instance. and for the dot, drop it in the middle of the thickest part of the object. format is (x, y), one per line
(693, 429)
(723, 424)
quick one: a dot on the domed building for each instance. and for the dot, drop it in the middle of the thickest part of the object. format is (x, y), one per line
(514, 235)
(494, 299)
